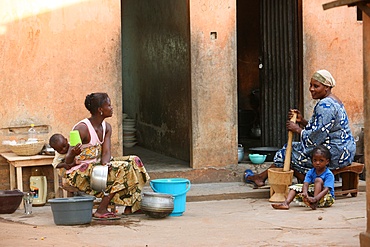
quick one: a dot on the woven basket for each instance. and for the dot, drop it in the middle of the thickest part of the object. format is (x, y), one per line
(27, 148)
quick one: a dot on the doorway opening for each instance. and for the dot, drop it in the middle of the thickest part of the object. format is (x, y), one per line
(155, 39)
(248, 62)
(269, 35)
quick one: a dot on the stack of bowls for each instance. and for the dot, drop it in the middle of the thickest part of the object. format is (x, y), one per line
(129, 132)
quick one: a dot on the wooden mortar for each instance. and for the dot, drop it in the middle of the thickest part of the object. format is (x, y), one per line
(281, 178)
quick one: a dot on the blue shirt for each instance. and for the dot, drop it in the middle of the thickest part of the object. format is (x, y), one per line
(327, 177)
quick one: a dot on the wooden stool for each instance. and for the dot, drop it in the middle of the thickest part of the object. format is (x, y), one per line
(350, 177)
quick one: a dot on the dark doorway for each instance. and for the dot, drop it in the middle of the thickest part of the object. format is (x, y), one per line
(248, 52)
(269, 69)
(281, 66)
(156, 81)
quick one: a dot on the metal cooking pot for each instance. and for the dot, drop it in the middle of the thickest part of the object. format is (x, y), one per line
(240, 152)
(157, 205)
(99, 177)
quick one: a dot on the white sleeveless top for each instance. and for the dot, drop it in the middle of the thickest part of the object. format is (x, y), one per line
(91, 152)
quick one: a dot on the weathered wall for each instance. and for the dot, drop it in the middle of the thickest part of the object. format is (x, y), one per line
(156, 74)
(214, 85)
(332, 40)
(365, 236)
(54, 53)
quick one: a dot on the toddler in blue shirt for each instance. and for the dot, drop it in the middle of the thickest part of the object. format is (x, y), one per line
(317, 189)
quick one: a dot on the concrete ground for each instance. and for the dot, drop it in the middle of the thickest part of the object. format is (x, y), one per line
(217, 214)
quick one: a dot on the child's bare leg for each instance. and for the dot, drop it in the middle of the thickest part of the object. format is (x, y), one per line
(319, 186)
(312, 202)
(288, 200)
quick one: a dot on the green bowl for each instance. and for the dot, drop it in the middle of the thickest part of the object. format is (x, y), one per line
(257, 158)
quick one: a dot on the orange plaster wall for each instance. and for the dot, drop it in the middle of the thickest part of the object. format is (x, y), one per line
(54, 53)
(332, 40)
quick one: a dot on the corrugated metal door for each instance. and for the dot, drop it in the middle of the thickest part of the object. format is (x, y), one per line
(281, 67)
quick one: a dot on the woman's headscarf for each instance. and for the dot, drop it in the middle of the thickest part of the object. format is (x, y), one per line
(323, 76)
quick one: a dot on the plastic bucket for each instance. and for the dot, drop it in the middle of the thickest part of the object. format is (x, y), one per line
(177, 187)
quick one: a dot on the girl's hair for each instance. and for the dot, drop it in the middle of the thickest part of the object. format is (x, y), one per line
(324, 150)
(95, 100)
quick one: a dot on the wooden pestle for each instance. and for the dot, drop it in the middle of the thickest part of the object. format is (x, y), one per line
(288, 153)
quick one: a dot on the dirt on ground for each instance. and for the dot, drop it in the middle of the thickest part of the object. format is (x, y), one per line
(240, 222)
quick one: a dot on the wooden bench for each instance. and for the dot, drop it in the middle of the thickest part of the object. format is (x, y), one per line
(350, 177)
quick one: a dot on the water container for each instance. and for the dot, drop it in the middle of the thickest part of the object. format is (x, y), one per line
(32, 134)
(177, 187)
(38, 185)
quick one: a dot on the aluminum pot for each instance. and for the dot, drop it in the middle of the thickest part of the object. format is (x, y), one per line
(157, 205)
(240, 152)
(99, 177)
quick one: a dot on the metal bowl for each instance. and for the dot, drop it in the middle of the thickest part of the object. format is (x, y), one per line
(99, 177)
(157, 205)
(10, 201)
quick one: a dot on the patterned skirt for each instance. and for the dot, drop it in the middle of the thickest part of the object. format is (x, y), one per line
(126, 178)
(325, 201)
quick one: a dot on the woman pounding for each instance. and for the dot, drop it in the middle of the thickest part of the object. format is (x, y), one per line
(328, 126)
(127, 175)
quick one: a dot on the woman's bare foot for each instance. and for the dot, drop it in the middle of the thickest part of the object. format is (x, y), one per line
(280, 206)
(259, 181)
(105, 214)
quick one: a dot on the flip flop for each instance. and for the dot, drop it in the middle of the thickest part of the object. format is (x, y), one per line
(104, 215)
(248, 173)
(106, 219)
(107, 216)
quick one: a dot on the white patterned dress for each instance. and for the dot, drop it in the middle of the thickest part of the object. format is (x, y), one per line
(328, 126)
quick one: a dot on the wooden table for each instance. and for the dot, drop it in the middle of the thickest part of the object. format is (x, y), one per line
(17, 162)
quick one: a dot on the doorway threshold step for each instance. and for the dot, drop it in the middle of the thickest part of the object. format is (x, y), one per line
(235, 190)
(222, 191)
